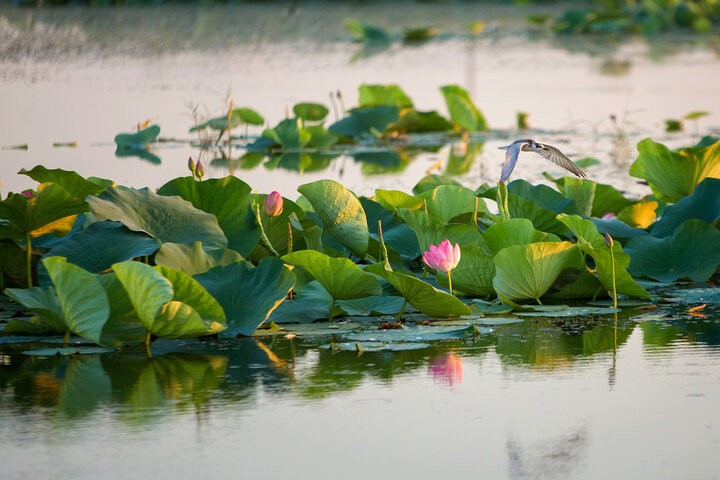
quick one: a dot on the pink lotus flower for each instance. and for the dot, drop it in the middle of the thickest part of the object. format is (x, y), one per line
(447, 369)
(273, 205)
(608, 216)
(28, 193)
(444, 258)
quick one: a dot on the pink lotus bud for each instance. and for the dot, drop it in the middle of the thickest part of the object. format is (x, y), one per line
(444, 257)
(191, 165)
(28, 193)
(200, 170)
(608, 240)
(608, 216)
(273, 205)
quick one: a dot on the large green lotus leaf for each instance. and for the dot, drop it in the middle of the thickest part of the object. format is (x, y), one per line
(573, 284)
(367, 306)
(310, 304)
(449, 201)
(606, 198)
(248, 295)
(582, 191)
(421, 295)
(431, 230)
(414, 121)
(375, 212)
(147, 289)
(169, 219)
(12, 262)
(692, 251)
(592, 243)
(431, 182)
(83, 300)
(528, 271)
(616, 228)
(395, 199)
(366, 121)
(312, 112)
(402, 240)
(673, 175)
(342, 278)
(191, 312)
(289, 134)
(123, 326)
(320, 137)
(516, 231)
(43, 303)
(379, 95)
(639, 215)
(474, 273)
(75, 185)
(229, 200)
(543, 195)
(542, 216)
(276, 229)
(99, 246)
(341, 213)
(193, 259)
(138, 140)
(29, 215)
(703, 204)
(463, 111)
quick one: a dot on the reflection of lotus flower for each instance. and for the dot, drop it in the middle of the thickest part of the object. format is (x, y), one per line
(447, 369)
(444, 257)
(273, 205)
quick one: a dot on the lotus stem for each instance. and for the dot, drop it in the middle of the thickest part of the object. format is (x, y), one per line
(502, 202)
(612, 258)
(474, 219)
(332, 307)
(66, 338)
(229, 140)
(290, 239)
(263, 237)
(402, 310)
(537, 299)
(426, 212)
(450, 282)
(383, 248)
(28, 260)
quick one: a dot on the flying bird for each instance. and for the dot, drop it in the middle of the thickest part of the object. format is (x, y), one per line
(548, 151)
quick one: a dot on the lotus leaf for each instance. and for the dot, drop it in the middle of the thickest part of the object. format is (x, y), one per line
(276, 229)
(361, 347)
(312, 112)
(229, 200)
(27, 326)
(516, 231)
(342, 278)
(402, 240)
(380, 95)
(492, 308)
(138, 140)
(431, 231)
(411, 333)
(421, 295)
(702, 204)
(673, 175)
(593, 244)
(582, 192)
(43, 303)
(83, 300)
(414, 121)
(238, 116)
(341, 213)
(123, 326)
(193, 259)
(575, 284)
(697, 295)
(571, 312)
(310, 304)
(374, 212)
(248, 295)
(6, 339)
(395, 199)
(170, 219)
(463, 111)
(365, 121)
(374, 306)
(75, 185)
(449, 201)
(431, 182)
(367, 33)
(474, 274)
(289, 134)
(692, 251)
(147, 289)
(616, 228)
(641, 214)
(320, 137)
(50, 352)
(98, 246)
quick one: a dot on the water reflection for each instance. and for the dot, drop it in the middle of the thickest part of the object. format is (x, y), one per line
(447, 369)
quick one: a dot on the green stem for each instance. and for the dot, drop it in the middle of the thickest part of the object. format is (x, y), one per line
(66, 338)
(538, 300)
(263, 237)
(502, 202)
(612, 257)
(28, 260)
(402, 310)
(332, 307)
(474, 219)
(450, 282)
(383, 248)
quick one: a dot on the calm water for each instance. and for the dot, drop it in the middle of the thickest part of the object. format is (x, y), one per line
(84, 75)
(575, 399)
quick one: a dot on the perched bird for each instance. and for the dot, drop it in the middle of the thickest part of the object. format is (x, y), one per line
(547, 151)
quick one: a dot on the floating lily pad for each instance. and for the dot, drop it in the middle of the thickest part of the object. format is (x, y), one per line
(492, 308)
(11, 339)
(376, 305)
(411, 333)
(653, 317)
(571, 312)
(48, 352)
(697, 295)
(375, 346)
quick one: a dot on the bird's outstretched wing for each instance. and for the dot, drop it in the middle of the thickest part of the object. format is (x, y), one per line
(558, 158)
(511, 156)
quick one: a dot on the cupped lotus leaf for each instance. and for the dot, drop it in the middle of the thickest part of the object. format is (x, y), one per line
(616, 228)
(341, 213)
(516, 231)
(247, 116)
(449, 201)
(169, 219)
(123, 326)
(527, 271)
(674, 175)
(138, 140)
(289, 134)
(395, 199)
(312, 112)
(193, 259)
(593, 244)
(463, 111)
(36, 216)
(43, 303)
(229, 200)
(414, 121)
(608, 200)
(431, 230)
(367, 33)
(381, 95)
(421, 295)
(367, 306)
(320, 137)
(342, 278)
(83, 300)
(411, 333)
(191, 312)
(310, 304)
(703, 204)
(582, 191)
(639, 215)
(365, 121)
(543, 218)
(99, 246)
(248, 295)
(474, 273)
(692, 251)
(147, 289)
(431, 182)
(75, 185)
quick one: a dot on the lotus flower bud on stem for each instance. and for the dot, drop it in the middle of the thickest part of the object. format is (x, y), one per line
(192, 166)
(273, 205)
(608, 240)
(443, 257)
(200, 170)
